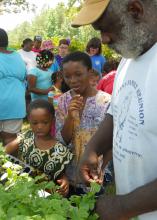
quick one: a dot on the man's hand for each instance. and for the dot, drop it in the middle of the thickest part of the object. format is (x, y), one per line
(90, 170)
(64, 186)
(100, 144)
(111, 208)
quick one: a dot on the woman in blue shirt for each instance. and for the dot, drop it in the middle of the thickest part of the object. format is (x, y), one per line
(94, 50)
(12, 91)
(39, 78)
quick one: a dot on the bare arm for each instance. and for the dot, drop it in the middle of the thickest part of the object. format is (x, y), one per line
(141, 200)
(12, 147)
(32, 86)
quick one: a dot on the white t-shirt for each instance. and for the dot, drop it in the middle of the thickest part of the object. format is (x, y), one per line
(134, 110)
(29, 58)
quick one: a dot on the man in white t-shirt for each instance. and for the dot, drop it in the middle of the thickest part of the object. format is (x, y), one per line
(130, 128)
(28, 56)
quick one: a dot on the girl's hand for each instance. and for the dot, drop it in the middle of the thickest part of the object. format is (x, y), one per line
(64, 185)
(49, 90)
(76, 105)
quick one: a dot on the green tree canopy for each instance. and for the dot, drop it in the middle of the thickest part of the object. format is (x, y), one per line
(15, 6)
(55, 23)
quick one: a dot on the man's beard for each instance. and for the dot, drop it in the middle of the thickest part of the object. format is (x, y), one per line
(133, 39)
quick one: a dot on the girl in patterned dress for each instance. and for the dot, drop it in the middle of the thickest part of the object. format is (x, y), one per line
(39, 149)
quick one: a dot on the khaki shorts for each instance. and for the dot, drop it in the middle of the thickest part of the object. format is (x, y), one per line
(11, 126)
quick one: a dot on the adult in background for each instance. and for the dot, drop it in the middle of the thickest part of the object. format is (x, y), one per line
(63, 50)
(94, 50)
(39, 78)
(48, 45)
(12, 91)
(28, 56)
(37, 44)
(130, 128)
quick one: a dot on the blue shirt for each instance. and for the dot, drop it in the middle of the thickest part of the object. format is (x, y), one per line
(12, 86)
(54, 67)
(59, 60)
(43, 81)
(98, 62)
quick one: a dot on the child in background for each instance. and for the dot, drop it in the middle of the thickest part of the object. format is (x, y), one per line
(80, 112)
(48, 45)
(94, 50)
(37, 148)
(56, 92)
(58, 88)
(94, 78)
(106, 83)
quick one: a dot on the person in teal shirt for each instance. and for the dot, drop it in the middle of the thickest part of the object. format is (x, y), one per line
(12, 91)
(48, 45)
(54, 67)
(39, 78)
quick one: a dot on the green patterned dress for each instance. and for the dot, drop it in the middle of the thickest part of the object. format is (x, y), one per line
(52, 162)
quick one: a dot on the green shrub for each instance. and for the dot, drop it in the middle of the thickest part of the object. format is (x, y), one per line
(20, 198)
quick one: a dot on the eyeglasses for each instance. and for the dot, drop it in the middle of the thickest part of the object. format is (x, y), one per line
(94, 48)
(39, 38)
(62, 47)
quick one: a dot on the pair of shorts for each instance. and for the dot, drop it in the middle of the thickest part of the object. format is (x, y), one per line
(11, 126)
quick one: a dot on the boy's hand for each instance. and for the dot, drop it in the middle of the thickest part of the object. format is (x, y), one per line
(64, 186)
(75, 105)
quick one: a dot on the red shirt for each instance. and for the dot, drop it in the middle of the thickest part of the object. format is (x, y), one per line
(106, 83)
(36, 50)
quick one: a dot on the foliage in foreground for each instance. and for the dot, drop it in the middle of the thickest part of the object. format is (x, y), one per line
(20, 198)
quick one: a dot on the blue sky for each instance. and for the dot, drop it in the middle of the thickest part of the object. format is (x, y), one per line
(10, 21)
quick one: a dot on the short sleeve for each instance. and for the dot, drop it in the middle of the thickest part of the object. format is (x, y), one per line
(20, 137)
(33, 71)
(109, 111)
(50, 94)
(54, 67)
(25, 141)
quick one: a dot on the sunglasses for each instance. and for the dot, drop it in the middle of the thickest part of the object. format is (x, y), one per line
(39, 38)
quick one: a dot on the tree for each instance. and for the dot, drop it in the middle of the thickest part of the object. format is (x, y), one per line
(71, 3)
(20, 33)
(55, 23)
(15, 6)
